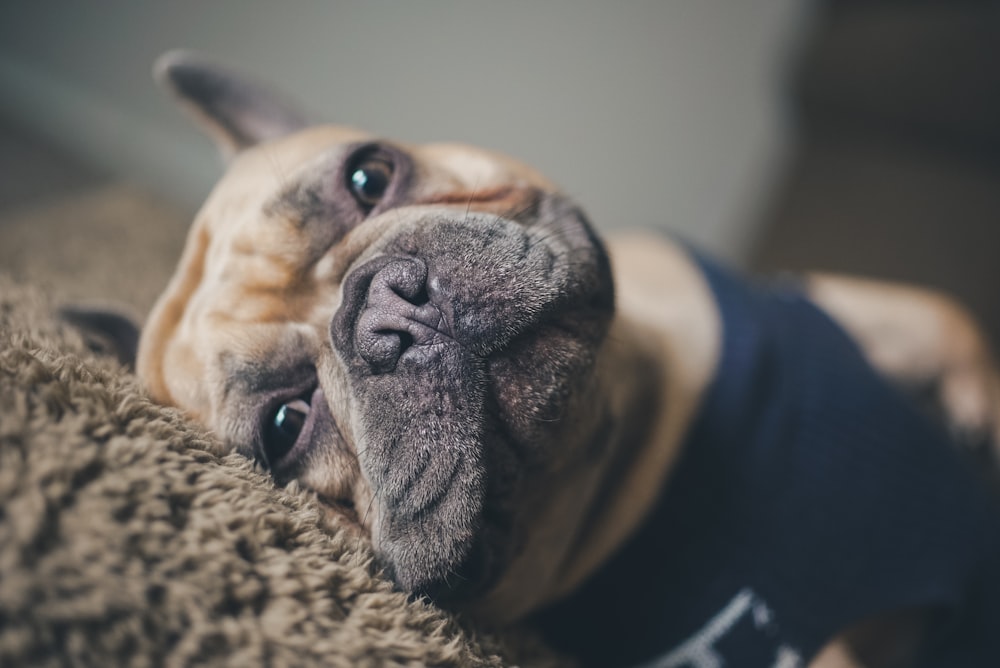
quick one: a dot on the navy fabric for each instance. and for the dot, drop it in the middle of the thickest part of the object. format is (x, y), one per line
(810, 495)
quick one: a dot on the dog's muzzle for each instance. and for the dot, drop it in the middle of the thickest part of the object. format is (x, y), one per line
(459, 338)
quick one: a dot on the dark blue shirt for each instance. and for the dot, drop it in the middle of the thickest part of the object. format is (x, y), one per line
(810, 495)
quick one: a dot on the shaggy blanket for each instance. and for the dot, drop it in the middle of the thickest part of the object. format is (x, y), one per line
(128, 537)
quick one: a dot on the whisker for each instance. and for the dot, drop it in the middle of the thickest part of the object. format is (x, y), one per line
(513, 214)
(364, 519)
(472, 196)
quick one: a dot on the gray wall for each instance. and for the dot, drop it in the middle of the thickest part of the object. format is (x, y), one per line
(663, 114)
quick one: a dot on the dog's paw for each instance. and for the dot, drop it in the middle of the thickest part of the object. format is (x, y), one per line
(970, 397)
(926, 343)
(969, 384)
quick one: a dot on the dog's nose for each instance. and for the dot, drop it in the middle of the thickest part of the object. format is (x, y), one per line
(399, 319)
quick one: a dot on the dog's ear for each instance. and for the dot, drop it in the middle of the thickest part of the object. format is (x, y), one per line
(236, 111)
(106, 330)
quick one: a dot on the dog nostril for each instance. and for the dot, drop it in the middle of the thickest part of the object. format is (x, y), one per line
(419, 298)
(405, 341)
(381, 348)
(405, 278)
(394, 310)
(388, 345)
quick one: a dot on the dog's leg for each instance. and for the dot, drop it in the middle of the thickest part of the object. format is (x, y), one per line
(924, 341)
(835, 655)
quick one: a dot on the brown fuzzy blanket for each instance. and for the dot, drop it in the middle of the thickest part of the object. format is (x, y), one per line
(128, 538)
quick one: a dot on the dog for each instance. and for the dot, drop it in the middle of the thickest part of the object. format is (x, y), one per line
(654, 460)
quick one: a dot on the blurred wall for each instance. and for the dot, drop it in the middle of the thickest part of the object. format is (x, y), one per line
(658, 113)
(897, 158)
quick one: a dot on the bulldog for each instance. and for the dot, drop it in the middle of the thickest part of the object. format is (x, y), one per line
(656, 461)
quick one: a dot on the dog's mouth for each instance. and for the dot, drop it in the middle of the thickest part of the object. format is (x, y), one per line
(459, 344)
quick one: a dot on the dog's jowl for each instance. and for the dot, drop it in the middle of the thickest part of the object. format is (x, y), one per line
(653, 459)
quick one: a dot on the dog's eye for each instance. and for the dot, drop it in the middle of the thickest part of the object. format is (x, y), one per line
(283, 429)
(369, 180)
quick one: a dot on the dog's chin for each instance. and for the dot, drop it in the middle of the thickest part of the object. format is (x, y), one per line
(462, 342)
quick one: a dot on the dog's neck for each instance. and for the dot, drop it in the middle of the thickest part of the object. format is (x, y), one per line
(635, 459)
(579, 510)
(664, 308)
(651, 393)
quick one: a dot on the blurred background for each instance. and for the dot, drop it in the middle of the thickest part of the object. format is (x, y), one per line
(845, 135)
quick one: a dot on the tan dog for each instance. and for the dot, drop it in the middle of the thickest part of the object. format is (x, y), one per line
(428, 338)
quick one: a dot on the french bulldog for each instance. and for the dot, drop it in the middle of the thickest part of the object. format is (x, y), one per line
(601, 437)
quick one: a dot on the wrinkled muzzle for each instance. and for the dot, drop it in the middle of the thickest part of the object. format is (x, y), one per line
(457, 335)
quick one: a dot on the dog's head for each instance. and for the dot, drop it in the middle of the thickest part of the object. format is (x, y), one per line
(409, 331)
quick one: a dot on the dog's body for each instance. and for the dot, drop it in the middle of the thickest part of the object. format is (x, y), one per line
(428, 338)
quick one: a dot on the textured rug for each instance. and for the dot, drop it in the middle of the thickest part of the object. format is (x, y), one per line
(128, 538)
